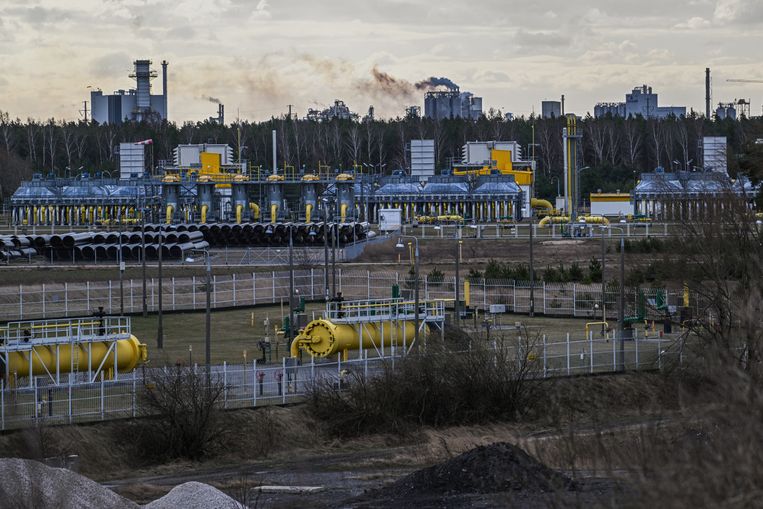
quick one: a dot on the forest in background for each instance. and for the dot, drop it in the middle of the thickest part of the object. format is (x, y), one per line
(615, 150)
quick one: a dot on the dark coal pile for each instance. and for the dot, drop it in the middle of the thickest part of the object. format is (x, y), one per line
(494, 468)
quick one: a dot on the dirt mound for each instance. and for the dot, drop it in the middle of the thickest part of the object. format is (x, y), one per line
(29, 484)
(494, 468)
(195, 495)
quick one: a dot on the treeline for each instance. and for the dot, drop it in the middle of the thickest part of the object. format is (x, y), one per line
(615, 150)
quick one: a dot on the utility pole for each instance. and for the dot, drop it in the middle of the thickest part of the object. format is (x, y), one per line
(291, 284)
(84, 110)
(458, 296)
(160, 327)
(208, 317)
(622, 301)
(143, 258)
(603, 278)
(532, 269)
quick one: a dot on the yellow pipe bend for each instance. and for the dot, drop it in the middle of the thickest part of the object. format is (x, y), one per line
(239, 213)
(170, 211)
(255, 210)
(273, 213)
(553, 220)
(308, 212)
(343, 212)
(323, 338)
(204, 210)
(538, 203)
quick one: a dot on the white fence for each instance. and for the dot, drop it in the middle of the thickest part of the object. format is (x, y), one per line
(52, 300)
(253, 385)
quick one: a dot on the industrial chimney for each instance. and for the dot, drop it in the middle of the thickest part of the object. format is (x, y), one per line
(164, 86)
(708, 99)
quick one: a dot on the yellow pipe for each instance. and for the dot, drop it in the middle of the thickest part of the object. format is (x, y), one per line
(589, 324)
(593, 219)
(553, 220)
(323, 338)
(343, 212)
(130, 353)
(255, 210)
(273, 213)
(538, 203)
(467, 293)
(308, 212)
(239, 213)
(204, 209)
(170, 211)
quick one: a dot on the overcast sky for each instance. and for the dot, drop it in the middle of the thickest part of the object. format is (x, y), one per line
(258, 56)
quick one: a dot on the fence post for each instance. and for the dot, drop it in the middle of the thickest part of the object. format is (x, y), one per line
(71, 382)
(312, 283)
(225, 384)
(34, 385)
(574, 300)
(614, 356)
(214, 290)
(254, 290)
(87, 294)
(637, 361)
(544, 297)
(339, 369)
(254, 382)
(340, 279)
(43, 300)
(590, 347)
(134, 396)
(152, 294)
(110, 299)
(21, 303)
(66, 299)
(659, 353)
(173, 293)
(568, 354)
(2, 405)
(103, 406)
(273, 280)
(545, 365)
(234, 289)
(514, 295)
(193, 290)
(368, 285)
(484, 293)
(283, 380)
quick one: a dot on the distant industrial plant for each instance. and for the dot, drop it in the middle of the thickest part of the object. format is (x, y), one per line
(640, 102)
(135, 104)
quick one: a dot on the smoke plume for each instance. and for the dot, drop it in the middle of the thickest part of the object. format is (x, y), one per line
(211, 99)
(434, 82)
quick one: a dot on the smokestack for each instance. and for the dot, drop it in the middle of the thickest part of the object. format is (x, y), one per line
(708, 99)
(275, 159)
(164, 86)
(562, 104)
(221, 114)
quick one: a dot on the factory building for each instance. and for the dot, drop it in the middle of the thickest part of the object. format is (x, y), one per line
(338, 110)
(422, 158)
(714, 156)
(640, 102)
(687, 195)
(136, 104)
(452, 103)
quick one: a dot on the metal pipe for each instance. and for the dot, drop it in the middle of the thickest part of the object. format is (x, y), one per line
(204, 209)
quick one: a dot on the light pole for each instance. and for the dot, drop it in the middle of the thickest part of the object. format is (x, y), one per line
(143, 257)
(532, 269)
(160, 326)
(291, 283)
(400, 245)
(208, 320)
(621, 303)
(603, 272)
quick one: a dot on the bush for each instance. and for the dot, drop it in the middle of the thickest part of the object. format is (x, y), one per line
(184, 419)
(435, 276)
(594, 270)
(436, 388)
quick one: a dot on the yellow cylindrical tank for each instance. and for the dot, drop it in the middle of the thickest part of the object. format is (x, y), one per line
(322, 338)
(130, 354)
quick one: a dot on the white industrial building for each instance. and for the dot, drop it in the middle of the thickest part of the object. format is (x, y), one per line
(132, 160)
(189, 156)
(136, 104)
(640, 102)
(422, 158)
(714, 154)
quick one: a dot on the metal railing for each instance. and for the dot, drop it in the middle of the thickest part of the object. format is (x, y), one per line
(253, 385)
(51, 300)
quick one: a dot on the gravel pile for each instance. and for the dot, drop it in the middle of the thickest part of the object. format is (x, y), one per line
(195, 495)
(494, 468)
(30, 484)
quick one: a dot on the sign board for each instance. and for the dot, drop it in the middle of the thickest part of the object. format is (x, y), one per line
(497, 308)
(390, 220)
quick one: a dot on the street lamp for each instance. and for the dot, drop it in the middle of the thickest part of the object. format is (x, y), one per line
(400, 245)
